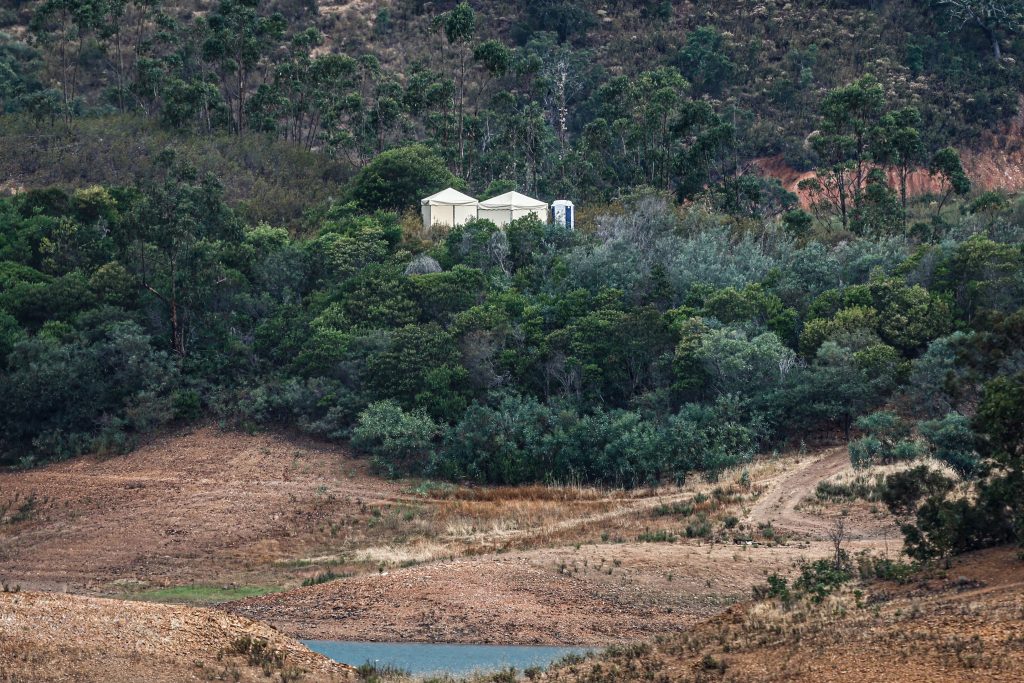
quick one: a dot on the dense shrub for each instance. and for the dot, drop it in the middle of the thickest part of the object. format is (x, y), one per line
(69, 393)
(885, 441)
(397, 438)
(952, 441)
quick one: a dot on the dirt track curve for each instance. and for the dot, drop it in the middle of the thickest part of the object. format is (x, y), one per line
(778, 505)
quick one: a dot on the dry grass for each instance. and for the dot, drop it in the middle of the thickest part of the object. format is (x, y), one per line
(878, 472)
(966, 628)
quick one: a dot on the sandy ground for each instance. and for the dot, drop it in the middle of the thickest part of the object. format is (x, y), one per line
(51, 637)
(456, 564)
(425, 562)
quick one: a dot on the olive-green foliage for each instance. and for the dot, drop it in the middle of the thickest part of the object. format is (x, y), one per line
(544, 92)
(401, 439)
(1002, 441)
(265, 179)
(660, 344)
(397, 179)
(885, 441)
(519, 440)
(940, 524)
(70, 392)
(952, 441)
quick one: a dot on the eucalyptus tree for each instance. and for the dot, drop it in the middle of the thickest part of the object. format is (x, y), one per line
(459, 28)
(237, 39)
(899, 146)
(945, 166)
(172, 242)
(991, 16)
(849, 115)
(66, 26)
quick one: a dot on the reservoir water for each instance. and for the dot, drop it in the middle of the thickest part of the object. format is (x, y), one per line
(442, 658)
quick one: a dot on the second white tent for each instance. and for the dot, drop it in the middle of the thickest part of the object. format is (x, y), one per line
(505, 208)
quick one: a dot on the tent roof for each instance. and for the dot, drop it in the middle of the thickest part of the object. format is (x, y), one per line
(513, 200)
(448, 197)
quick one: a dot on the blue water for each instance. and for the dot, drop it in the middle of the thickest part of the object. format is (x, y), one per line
(421, 659)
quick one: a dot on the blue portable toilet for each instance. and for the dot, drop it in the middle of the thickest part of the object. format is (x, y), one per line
(563, 212)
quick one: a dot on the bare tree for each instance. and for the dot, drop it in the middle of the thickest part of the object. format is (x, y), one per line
(988, 15)
(837, 535)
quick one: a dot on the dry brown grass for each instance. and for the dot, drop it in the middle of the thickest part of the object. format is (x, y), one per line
(960, 625)
(293, 508)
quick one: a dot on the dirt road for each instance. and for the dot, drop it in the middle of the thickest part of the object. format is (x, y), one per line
(780, 504)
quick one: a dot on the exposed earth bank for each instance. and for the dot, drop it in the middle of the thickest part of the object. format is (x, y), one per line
(964, 623)
(54, 637)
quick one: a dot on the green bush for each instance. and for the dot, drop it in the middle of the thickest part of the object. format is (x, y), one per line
(885, 441)
(952, 441)
(400, 438)
(396, 180)
(821, 578)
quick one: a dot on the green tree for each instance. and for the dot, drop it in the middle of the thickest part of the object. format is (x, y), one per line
(849, 115)
(459, 28)
(171, 241)
(68, 25)
(952, 441)
(495, 59)
(397, 179)
(69, 395)
(899, 146)
(1001, 439)
(946, 167)
(404, 440)
(990, 16)
(704, 62)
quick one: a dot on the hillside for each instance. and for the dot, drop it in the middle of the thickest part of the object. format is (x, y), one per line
(678, 611)
(251, 392)
(207, 517)
(50, 637)
(538, 94)
(959, 624)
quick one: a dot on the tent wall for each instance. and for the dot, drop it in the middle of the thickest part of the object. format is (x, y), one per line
(447, 215)
(464, 214)
(499, 217)
(502, 217)
(539, 214)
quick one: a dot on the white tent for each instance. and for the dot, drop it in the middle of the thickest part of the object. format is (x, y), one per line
(448, 208)
(505, 208)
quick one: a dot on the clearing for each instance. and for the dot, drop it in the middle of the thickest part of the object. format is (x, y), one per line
(960, 624)
(205, 517)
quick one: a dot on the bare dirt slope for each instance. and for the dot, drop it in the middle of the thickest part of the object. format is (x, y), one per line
(200, 506)
(52, 637)
(598, 591)
(964, 624)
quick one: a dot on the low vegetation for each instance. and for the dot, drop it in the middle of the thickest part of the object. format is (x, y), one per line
(200, 594)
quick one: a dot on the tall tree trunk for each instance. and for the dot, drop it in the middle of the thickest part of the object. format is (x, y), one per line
(993, 39)
(462, 108)
(120, 70)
